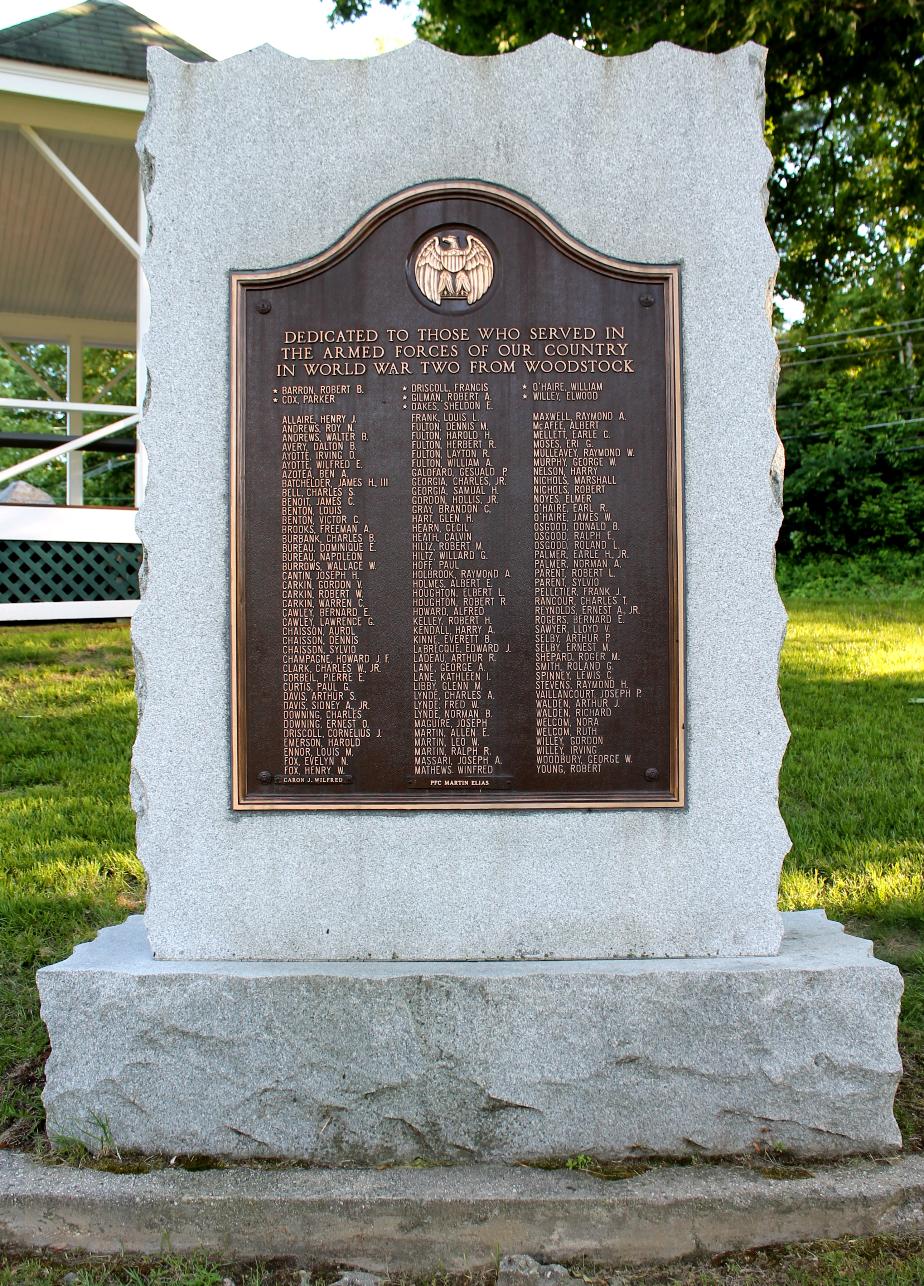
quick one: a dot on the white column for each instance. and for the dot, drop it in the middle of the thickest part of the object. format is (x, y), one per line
(75, 418)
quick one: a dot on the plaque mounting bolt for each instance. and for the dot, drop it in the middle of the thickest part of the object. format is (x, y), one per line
(651, 774)
(647, 301)
(264, 306)
(265, 778)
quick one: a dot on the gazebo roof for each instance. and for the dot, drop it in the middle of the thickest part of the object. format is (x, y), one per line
(98, 35)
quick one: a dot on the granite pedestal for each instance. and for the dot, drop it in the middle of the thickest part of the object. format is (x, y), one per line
(500, 1061)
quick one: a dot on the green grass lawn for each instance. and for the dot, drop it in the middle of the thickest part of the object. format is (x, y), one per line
(852, 794)
(850, 1262)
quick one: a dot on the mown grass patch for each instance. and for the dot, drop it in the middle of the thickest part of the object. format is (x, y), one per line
(852, 791)
(852, 785)
(67, 862)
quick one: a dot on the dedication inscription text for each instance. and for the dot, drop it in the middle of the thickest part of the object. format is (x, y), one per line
(456, 518)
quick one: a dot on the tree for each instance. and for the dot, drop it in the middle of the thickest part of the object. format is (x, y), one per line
(854, 451)
(844, 104)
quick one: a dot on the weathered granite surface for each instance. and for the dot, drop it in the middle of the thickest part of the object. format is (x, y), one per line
(264, 159)
(491, 1061)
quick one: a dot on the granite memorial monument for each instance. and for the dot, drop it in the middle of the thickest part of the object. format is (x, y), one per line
(456, 769)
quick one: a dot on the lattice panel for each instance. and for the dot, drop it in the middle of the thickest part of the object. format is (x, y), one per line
(63, 571)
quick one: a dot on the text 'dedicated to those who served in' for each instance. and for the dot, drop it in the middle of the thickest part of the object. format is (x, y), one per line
(456, 518)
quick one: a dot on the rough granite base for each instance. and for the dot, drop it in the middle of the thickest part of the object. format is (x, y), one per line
(491, 1061)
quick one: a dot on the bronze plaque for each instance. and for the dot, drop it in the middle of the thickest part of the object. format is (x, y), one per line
(456, 518)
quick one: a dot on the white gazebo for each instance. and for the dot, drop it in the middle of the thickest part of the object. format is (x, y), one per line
(72, 94)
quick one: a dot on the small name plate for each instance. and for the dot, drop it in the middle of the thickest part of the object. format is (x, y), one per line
(456, 518)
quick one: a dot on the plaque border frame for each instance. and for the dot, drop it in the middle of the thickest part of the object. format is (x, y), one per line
(243, 281)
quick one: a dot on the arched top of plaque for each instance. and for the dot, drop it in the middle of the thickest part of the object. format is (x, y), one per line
(456, 567)
(467, 189)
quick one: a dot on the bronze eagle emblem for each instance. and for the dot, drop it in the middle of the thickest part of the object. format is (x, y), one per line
(444, 269)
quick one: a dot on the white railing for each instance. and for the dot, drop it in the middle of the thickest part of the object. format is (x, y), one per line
(34, 404)
(75, 444)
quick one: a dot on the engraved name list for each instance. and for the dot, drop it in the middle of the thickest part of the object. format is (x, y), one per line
(456, 519)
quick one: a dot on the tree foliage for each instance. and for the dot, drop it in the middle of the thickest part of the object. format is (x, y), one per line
(850, 410)
(855, 466)
(844, 104)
